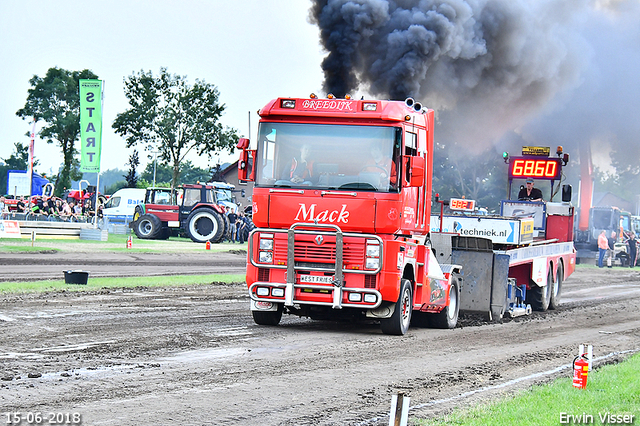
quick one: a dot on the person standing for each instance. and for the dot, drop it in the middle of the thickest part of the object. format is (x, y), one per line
(612, 248)
(633, 249)
(233, 218)
(603, 246)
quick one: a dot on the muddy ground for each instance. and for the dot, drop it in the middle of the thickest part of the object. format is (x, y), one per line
(193, 356)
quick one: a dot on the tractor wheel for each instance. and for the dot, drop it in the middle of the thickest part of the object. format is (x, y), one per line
(204, 224)
(398, 323)
(554, 303)
(268, 317)
(148, 227)
(540, 297)
(226, 235)
(448, 317)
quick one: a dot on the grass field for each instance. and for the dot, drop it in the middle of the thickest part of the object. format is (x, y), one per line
(612, 392)
(115, 243)
(128, 282)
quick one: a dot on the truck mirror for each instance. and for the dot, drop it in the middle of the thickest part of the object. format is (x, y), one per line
(246, 170)
(416, 166)
(243, 144)
(566, 193)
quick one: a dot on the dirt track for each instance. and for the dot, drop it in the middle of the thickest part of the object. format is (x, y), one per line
(193, 356)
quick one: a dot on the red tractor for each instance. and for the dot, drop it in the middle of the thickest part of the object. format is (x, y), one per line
(191, 210)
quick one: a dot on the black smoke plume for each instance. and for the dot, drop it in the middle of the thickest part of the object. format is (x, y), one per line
(485, 66)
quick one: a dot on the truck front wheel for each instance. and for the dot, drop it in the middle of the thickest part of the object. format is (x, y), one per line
(268, 317)
(448, 317)
(398, 323)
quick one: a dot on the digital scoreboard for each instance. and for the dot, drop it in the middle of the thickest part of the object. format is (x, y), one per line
(461, 204)
(538, 168)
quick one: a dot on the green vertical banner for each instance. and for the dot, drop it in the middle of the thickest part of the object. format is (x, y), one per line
(90, 125)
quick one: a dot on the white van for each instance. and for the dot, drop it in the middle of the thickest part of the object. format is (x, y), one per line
(120, 207)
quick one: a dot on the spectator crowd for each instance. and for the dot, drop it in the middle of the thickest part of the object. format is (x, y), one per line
(48, 208)
(240, 226)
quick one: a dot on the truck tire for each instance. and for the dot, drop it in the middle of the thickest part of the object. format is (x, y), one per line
(148, 227)
(204, 224)
(540, 297)
(448, 317)
(398, 323)
(268, 317)
(556, 292)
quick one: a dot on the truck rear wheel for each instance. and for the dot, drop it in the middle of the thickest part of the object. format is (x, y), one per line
(556, 292)
(540, 297)
(448, 317)
(267, 317)
(204, 224)
(398, 323)
(148, 227)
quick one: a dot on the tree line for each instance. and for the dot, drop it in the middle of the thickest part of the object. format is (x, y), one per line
(166, 114)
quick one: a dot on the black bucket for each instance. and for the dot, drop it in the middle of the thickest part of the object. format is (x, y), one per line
(76, 277)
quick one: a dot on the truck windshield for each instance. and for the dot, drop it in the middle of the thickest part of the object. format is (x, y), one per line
(328, 156)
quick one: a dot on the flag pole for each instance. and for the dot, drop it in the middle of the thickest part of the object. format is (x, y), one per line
(95, 225)
(30, 165)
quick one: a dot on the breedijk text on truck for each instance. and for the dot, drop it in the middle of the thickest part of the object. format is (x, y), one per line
(342, 204)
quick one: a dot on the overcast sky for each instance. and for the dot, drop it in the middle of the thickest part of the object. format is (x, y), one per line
(257, 50)
(253, 51)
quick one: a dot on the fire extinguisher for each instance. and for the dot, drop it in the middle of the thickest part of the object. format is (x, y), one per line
(208, 245)
(580, 371)
(129, 242)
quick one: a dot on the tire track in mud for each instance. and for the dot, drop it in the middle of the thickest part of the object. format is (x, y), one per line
(170, 353)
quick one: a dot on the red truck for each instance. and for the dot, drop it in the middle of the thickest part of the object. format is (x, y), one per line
(342, 203)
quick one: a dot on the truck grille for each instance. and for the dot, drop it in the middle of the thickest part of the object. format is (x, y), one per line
(308, 252)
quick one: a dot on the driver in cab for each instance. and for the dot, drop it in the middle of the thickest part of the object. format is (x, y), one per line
(530, 193)
(380, 163)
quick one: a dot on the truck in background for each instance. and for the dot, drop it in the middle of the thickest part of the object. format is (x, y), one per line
(342, 204)
(120, 207)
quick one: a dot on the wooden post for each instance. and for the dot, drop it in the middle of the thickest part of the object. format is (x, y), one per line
(399, 414)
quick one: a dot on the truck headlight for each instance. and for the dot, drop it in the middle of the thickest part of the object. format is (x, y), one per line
(355, 297)
(266, 244)
(277, 292)
(265, 257)
(262, 291)
(370, 298)
(372, 263)
(373, 250)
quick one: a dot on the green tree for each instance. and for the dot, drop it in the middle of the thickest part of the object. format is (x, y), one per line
(109, 179)
(481, 177)
(131, 176)
(19, 160)
(55, 99)
(168, 114)
(164, 172)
